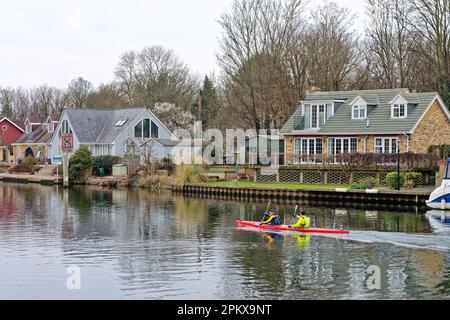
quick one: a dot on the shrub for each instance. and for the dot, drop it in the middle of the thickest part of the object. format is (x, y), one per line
(154, 182)
(393, 178)
(413, 179)
(79, 164)
(167, 164)
(442, 151)
(369, 182)
(189, 174)
(20, 168)
(29, 163)
(105, 162)
(358, 187)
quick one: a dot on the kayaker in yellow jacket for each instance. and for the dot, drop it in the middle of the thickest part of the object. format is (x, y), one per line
(302, 222)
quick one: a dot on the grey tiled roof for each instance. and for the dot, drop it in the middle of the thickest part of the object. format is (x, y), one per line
(379, 119)
(99, 125)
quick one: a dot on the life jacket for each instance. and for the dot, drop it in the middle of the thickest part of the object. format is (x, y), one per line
(276, 221)
(307, 222)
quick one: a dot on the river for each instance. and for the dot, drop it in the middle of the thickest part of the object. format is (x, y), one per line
(133, 244)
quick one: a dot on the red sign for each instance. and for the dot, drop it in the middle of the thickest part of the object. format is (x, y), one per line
(67, 141)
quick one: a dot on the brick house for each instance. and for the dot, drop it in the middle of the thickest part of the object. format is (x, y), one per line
(366, 121)
(10, 131)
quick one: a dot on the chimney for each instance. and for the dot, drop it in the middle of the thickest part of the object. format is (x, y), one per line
(312, 87)
(71, 106)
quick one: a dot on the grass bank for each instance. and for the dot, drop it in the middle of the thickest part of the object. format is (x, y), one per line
(295, 186)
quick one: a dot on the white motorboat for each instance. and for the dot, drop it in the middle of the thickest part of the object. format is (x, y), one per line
(440, 198)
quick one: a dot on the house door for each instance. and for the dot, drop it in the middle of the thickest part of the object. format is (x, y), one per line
(29, 152)
(4, 154)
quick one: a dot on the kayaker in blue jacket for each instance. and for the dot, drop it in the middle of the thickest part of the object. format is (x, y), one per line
(273, 219)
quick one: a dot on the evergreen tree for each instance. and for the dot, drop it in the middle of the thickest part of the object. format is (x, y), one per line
(210, 104)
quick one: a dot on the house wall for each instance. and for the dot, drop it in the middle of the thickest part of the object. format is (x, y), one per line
(56, 140)
(121, 142)
(19, 151)
(434, 129)
(9, 133)
(366, 144)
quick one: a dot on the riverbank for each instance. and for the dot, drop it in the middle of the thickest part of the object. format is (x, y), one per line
(30, 178)
(415, 197)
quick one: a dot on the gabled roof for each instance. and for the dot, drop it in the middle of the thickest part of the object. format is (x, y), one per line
(379, 118)
(39, 135)
(18, 123)
(37, 119)
(99, 125)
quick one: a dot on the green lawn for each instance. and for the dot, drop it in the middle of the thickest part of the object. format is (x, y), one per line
(244, 184)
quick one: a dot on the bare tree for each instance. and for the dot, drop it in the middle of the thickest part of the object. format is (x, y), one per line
(156, 75)
(432, 22)
(391, 41)
(79, 90)
(255, 60)
(7, 102)
(107, 96)
(333, 47)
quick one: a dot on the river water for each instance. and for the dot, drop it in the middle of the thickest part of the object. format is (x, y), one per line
(134, 244)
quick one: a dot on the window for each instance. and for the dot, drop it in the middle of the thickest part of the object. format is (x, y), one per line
(317, 115)
(359, 112)
(399, 110)
(342, 145)
(28, 128)
(155, 131)
(4, 128)
(386, 145)
(121, 122)
(65, 128)
(51, 127)
(138, 130)
(146, 124)
(308, 150)
(314, 117)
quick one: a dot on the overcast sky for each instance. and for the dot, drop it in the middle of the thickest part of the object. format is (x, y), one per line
(54, 41)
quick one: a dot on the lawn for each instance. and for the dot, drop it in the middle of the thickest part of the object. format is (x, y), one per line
(246, 184)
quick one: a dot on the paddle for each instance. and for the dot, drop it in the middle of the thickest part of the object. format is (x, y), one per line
(295, 212)
(265, 213)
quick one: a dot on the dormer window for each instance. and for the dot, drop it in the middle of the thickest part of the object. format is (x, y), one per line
(399, 110)
(359, 112)
(399, 107)
(28, 128)
(359, 108)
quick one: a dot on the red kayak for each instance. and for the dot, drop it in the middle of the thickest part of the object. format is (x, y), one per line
(286, 228)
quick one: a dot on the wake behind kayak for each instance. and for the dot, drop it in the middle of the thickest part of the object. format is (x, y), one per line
(258, 225)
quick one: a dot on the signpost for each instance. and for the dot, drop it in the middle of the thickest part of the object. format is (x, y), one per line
(66, 146)
(57, 159)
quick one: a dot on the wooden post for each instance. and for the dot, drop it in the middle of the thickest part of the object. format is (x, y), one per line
(65, 169)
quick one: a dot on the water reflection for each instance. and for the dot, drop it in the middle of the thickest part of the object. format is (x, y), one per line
(135, 244)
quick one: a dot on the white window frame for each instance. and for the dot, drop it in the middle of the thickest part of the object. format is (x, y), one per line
(398, 106)
(310, 156)
(348, 139)
(359, 108)
(383, 145)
